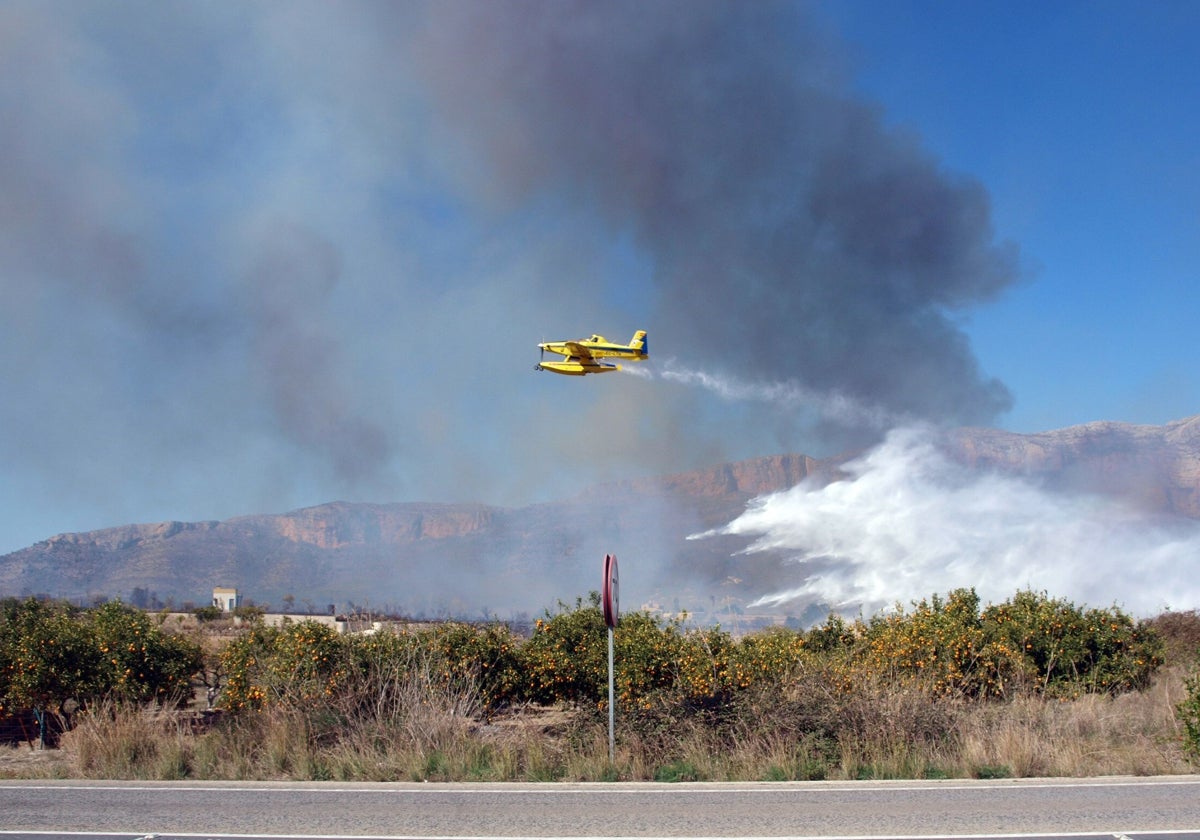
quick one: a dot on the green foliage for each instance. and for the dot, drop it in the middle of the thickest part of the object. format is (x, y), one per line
(876, 697)
(1029, 643)
(943, 644)
(567, 657)
(51, 651)
(249, 612)
(209, 613)
(993, 771)
(1189, 716)
(1070, 651)
(138, 662)
(678, 771)
(832, 636)
(298, 665)
(657, 664)
(484, 660)
(768, 657)
(48, 656)
(848, 694)
(294, 665)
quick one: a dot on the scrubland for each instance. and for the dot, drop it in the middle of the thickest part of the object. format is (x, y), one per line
(1035, 686)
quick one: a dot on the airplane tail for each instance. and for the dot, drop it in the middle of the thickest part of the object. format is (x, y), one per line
(640, 344)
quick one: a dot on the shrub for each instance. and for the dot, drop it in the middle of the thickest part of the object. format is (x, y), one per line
(658, 665)
(1068, 651)
(765, 657)
(945, 645)
(138, 662)
(209, 613)
(1029, 642)
(51, 651)
(293, 666)
(486, 660)
(1180, 632)
(567, 656)
(1189, 716)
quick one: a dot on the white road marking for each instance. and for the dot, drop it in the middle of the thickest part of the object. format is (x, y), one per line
(625, 788)
(1021, 836)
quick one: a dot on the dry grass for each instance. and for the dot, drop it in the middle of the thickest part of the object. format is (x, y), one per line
(412, 732)
(1131, 734)
(124, 741)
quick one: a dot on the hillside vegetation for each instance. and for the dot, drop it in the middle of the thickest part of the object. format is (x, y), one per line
(941, 688)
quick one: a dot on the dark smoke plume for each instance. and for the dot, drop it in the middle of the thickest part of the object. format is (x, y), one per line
(792, 235)
(256, 257)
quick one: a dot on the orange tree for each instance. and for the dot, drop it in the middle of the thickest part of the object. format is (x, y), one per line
(945, 645)
(1030, 642)
(661, 664)
(299, 665)
(466, 658)
(834, 636)
(1068, 650)
(766, 657)
(138, 662)
(51, 651)
(567, 656)
(657, 663)
(46, 655)
(295, 665)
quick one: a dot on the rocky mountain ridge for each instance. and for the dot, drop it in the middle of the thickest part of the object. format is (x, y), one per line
(1157, 467)
(436, 558)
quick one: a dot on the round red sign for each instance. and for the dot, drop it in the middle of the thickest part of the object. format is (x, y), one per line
(608, 594)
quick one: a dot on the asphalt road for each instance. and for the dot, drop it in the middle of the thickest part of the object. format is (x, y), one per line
(1132, 807)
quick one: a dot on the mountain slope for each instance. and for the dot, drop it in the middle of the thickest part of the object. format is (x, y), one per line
(426, 558)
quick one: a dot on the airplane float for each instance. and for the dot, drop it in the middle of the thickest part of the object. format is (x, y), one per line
(583, 356)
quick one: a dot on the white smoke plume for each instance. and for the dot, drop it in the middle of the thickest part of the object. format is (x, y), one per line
(829, 406)
(908, 522)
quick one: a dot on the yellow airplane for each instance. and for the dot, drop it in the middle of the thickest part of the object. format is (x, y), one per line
(583, 356)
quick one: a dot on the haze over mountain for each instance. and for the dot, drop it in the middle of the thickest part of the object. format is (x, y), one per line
(259, 256)
(1103, 512)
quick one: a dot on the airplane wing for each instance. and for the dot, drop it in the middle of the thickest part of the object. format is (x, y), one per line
(579, 351)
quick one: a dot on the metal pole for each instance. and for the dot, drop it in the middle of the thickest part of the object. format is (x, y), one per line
(611, 740)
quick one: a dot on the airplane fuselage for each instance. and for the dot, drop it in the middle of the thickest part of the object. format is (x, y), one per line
(583, 356)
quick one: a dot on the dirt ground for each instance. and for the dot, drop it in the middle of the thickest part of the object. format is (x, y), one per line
(20, 761)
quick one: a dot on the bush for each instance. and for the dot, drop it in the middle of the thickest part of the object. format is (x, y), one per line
(567, 656)
(1030, 642)
(1180, 632)
(889, 697)
(51, 652)
(658, 665)
(1189, 716)
(1069, 651)
(486, 660)
(294, 666)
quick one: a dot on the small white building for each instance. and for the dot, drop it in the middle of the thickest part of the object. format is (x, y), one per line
(227, 599)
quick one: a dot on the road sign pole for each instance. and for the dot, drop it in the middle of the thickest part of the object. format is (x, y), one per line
(611, 738)
(610, 599)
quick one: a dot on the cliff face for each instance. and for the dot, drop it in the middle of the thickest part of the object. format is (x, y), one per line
(744, 478)
(476, 559)
(1157, 467)
(341, 524)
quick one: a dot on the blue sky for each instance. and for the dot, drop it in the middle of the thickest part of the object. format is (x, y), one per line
(1081, 119)
(255, 257)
